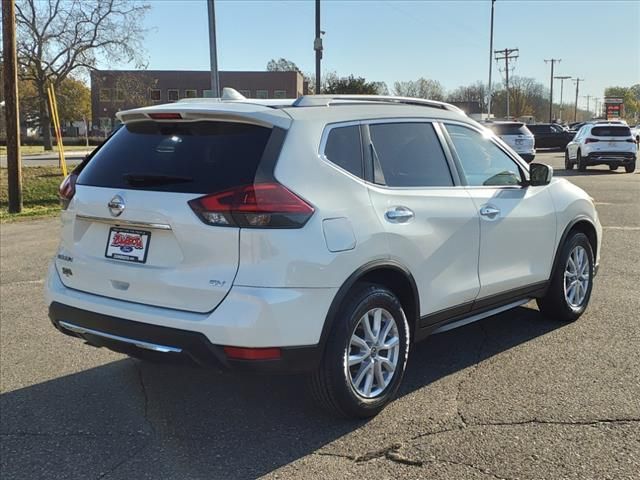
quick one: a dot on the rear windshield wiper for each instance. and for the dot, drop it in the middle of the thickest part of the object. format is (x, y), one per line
(145, 179)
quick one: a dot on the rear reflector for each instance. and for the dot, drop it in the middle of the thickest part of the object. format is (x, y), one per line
(263, 205)
(165, 116)
(238, 353)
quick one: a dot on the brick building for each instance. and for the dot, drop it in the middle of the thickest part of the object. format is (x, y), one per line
(114, 90)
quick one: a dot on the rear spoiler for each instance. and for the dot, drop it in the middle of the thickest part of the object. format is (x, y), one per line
(236, 112)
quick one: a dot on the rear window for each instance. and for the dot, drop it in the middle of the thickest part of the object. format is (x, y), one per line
(611, 131)
(195, 157)
(510, 129)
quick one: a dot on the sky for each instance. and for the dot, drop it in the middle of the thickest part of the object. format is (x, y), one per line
(391, 40)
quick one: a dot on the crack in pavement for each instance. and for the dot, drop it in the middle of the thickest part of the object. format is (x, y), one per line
(392, 453)
(469, 374)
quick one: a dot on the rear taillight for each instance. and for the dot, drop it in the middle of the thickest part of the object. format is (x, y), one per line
(591, 140)
(263, 205)
(67, 189)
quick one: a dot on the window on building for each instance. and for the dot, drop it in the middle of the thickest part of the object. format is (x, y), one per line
(173, 95)
(190, 93)
(262, 93)
(105, 95)
(119, 95)
(409, 155)
(280, 94)
(344, 148)
(156, 94)
(105, 123)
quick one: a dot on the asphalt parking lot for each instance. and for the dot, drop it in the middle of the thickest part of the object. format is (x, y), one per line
(516, 396)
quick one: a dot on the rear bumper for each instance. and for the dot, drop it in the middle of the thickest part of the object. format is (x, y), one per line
(287, 318)
(610, 158)
(129, 337)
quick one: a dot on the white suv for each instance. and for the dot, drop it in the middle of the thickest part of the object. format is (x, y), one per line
(322, 235)
(517, 136)
(600, 143)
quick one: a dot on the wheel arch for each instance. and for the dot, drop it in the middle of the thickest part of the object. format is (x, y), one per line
(581, 224)
(388, 273)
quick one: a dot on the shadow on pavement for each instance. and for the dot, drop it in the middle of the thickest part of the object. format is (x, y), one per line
(588, 172)
(128, 419)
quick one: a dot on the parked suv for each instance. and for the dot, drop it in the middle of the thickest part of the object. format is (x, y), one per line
(517, 136)
(610, 144)
(323, 235)
(550, 135)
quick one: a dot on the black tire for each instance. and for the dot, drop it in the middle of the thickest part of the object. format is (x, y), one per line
(568, 164)
(630, 168)
(582, 166)
(554, 305)
(331, 384)
(613, 168)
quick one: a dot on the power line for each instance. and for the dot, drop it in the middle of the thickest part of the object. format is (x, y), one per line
(507, 54)
(552, 61)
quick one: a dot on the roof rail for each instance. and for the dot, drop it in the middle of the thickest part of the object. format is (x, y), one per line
(327, 100)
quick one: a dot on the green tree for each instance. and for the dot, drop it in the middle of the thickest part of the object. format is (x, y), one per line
(351, 85)
(57, 38)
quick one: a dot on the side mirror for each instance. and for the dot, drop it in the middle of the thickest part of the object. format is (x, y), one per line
(540, 174)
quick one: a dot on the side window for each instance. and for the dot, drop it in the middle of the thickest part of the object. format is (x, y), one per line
(409, 155)
(483, 163)
(344, 148)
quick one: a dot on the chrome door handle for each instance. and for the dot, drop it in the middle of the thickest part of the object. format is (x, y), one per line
(399, 215)
(489, 211)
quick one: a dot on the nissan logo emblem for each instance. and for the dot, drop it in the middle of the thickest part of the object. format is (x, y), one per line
(116, 205)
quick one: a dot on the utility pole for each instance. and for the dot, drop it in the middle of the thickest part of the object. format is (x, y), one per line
(553, 61)
(213, 50)
(10, 61)
(575, 108)
(588, 97)
(562, 78)
(317, 46)
(507, 54)
(490, 61)
(597, 112)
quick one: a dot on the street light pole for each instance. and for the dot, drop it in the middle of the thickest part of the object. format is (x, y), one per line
(562, 78)
(553, 61)
(317, 46)
(213, 50)
(490, 61)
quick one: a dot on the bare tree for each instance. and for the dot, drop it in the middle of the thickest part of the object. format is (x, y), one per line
(60, 37)
(476, 92)
(421, 88)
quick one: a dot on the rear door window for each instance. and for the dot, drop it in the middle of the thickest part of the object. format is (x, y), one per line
(409, 155)
(344, 148)
(193, 157)
(611, 131)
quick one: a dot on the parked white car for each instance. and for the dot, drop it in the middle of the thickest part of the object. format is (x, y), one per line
(517, 136)
(601, 143)
(323, 235)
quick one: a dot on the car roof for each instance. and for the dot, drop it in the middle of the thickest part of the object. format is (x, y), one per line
(280, 112)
